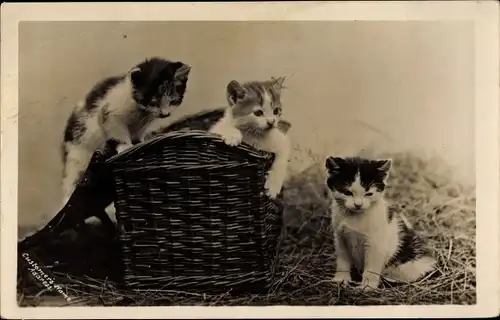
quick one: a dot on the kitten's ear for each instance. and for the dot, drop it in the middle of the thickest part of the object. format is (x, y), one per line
(235, 92)
(332, 164)
(384, 166)
(134, 74)
(278, 83)
(284, 126)
(182, 72)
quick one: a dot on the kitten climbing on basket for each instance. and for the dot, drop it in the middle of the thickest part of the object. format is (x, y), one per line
(118, 109)
(370, 236)
(253, 117)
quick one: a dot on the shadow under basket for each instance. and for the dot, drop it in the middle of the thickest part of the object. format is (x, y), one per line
(192, 215)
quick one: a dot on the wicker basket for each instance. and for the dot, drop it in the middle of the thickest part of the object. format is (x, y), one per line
(193, 216)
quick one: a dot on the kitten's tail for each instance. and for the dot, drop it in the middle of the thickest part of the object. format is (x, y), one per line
(411, 270)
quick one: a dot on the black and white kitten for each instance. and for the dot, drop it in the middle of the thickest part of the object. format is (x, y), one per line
(118, 109)
(369, 236)
(254, 117)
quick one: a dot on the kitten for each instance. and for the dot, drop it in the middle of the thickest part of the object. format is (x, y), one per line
(369, 236)
(253, 116)
(118, 109)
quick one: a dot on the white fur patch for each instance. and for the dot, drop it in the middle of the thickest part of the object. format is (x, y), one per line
(119, 98)
(77, 161)
(356, 187)
(358, 192)
(226, 129)
(411, 270)
(267, 101)
(92, 220)
(367, 235)
(111, 211)
(405, 221)
(122, 147)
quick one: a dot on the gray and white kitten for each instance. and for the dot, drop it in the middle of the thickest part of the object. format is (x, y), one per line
(253, 116)
(369, 236)
(118, 109)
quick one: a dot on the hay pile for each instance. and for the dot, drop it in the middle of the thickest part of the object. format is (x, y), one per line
(440, 209)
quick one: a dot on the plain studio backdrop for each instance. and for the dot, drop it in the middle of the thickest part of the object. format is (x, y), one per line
(392, 86)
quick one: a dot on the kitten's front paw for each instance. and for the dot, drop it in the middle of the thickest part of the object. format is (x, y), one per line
(342, 277)
(232, 138)
(370, 281)
(149, 136)
(122, 147)
(273, 184)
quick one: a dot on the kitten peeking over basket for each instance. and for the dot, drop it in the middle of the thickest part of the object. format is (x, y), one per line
(368, 235)
(118, 109)
(253, 117)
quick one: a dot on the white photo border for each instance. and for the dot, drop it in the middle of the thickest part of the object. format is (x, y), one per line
(484, 14)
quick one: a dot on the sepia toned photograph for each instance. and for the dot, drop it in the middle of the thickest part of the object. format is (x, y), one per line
(246, 163)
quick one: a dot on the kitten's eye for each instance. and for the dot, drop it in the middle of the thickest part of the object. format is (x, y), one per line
(369, 194)
(277, 111)
(347, 193)
(258, 113)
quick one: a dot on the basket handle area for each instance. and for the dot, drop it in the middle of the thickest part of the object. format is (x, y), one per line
(195, 126)
(187, 134)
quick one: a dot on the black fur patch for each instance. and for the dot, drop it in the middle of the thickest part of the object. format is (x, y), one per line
(390, 213)
(100, 90)
(73, 131)
(180, 90)
(203, 120)
(411, 246)
(110, 148)
(342, 172)
(73, 128)
(257, 90)
(156, 79)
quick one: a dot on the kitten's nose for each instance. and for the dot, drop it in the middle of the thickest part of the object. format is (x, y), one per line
(358, 205)
(271, 122)
(164, 114)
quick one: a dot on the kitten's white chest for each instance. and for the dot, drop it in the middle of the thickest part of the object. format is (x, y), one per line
(359, 231)
(355, 242)
(272, 141)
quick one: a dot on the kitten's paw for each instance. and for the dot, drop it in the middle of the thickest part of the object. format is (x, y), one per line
(232, 138)
(342, 277)
(122, 147)
(273, 184)
(149, 136)
(370, 281)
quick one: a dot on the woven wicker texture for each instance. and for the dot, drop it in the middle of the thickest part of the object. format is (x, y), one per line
(193, 216)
